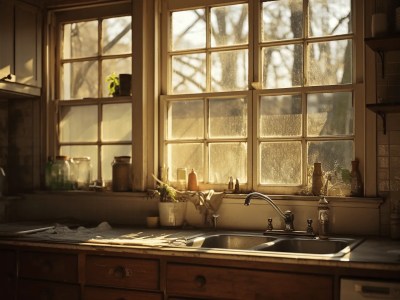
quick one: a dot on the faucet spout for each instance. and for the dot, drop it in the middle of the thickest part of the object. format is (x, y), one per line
(287, 216)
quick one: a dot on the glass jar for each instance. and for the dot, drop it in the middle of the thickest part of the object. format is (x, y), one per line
(317, 179)
(356, 180)
(82, 172)
(121, 174)
(61, 172)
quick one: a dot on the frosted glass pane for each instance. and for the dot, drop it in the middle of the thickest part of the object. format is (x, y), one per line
(229, 25)
(80, 40)
(185, 119)
(188, 29)
(282, 66)
(229, 70)
(78, 123)
(189, 156)
(80, 80)
(117, 35)
(81, 151)
(117, 122)
(282, 20)
(118, 66)
(329, 17)
(108, 154)
(280, 116)
(330, 114)
(332, 155)
(330, 63)
(228, 118)
(228, 159)
(189, 73)
(281, 163)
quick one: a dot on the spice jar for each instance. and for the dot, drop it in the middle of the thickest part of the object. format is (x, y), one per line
(121, 174)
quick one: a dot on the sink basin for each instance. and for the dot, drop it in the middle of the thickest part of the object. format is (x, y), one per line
(230, 241)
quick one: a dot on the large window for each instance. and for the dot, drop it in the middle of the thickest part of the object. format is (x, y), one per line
(259, 90)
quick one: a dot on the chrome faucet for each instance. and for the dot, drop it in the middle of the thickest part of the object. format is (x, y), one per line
(287, 216)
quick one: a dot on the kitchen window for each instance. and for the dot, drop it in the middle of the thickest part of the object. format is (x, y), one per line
(260, 90)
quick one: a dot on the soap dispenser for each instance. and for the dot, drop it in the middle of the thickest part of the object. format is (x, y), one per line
(323, 218)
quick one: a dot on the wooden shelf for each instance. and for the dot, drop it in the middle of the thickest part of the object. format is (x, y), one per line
(382, 109)
(384, 43)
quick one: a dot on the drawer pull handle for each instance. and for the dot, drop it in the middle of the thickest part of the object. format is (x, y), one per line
(122, 272)
(200, 281)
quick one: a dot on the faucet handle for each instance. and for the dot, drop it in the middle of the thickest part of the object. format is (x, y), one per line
(270, 227)
(215, 219)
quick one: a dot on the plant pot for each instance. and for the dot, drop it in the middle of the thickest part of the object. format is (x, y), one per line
(172, 213)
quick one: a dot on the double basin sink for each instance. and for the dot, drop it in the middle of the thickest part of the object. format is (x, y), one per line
(276, 244)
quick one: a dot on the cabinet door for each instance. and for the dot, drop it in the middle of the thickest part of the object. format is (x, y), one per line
(6, 38)
(229, 283)
(92, 293)
(8, 273)
(39, 290)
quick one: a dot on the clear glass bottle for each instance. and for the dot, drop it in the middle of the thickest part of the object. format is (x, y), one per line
(356, 180)
(82, 172)
(121, 174)
(323, 218)
(61, 173)
(317, 179)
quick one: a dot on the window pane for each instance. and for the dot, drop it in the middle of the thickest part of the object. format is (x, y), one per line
(188, 156)
(80, 40)
(108, 154)
(282, 20)
(329, 17)
(229, 25)
(229, 70)
(282, 66)
(330, 63)
(78, 123)
(280, 116)
(119, 66)
(189, 73)
(82, 151)
(80, 80)
(281, 163)
(185, 120)
(117, 122)
(228, 118)
(188, 29)
(117, 35)
(228, 159)
(330, 114)
(332, 155)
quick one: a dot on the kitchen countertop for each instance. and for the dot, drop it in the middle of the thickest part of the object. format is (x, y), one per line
(373, 253)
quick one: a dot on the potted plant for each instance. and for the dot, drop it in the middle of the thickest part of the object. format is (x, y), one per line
(171, 208)
(113, 84)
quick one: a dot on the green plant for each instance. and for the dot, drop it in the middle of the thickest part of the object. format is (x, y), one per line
(112, 84)
(166, 192)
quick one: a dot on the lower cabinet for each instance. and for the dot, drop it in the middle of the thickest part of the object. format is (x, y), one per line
(8, 274)
(44, 290)
(97, 293)
(203, 282)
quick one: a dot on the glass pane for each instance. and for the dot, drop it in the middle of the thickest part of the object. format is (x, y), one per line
(189, 156)
(282, 66)
(228, 159)
(229, 70)
(330, 63)
(229, 25)
(189, 73)
(80, 80)
(117, 122)
(330, 114)
(108, 154)
(329, 17)
(228, 117)
(333, 155)
(282, 20)
(117, 35)
(78, 123)
(281, 163)
(117, 66)
(80, 40)
(188, 29)
(280, 116)
(185, 120)
(82, 151)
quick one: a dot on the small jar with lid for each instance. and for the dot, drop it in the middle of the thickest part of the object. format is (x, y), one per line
(61, 172)
(82, 170)
(121, 174)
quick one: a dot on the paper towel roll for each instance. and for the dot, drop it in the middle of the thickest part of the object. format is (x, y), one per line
(379, 24)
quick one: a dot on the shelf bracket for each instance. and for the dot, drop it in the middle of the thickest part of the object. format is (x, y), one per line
(382, 57)
(383, 116)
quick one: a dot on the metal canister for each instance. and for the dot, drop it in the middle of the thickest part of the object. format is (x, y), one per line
(121, 174)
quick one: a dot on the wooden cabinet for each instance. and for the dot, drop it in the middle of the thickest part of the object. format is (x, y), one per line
(97, 293)
(231, 283)
(8, 274)
(40, 290)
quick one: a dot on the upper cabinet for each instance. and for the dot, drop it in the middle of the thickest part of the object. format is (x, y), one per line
(21, 47)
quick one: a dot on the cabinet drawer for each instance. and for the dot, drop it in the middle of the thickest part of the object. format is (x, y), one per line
(39, 290)
(51, 266)
(229, 283)
(122, 272)
(91, 293)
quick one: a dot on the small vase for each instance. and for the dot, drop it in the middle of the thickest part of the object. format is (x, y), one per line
(172, 214)
(356, 180)
(317, 180)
